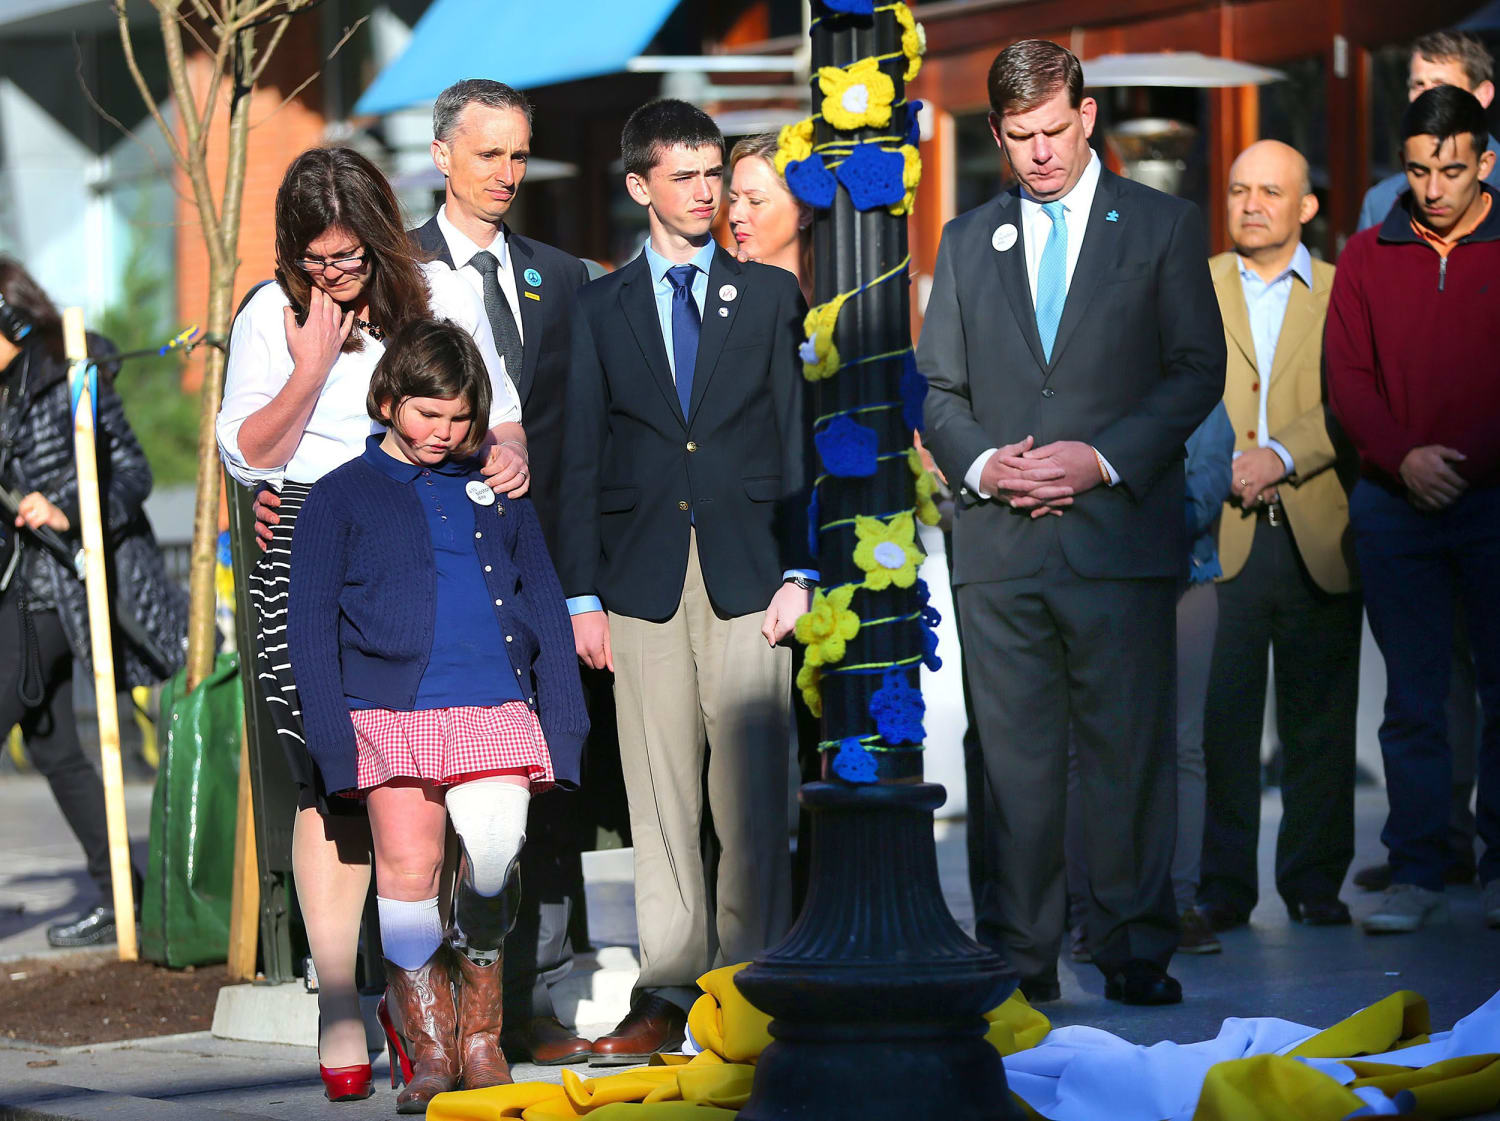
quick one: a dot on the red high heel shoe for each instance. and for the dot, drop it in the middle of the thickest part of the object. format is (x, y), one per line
(346, 1084)
(399, 1060)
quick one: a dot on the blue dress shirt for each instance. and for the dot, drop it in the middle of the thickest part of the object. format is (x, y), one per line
(1266, 302)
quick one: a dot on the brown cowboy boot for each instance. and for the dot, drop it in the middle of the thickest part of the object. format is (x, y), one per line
(421, 1025)
(479, 996)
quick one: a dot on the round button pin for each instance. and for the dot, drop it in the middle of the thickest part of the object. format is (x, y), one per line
(533, 278)
(1004, 237)
(728, 292)
(478, 493)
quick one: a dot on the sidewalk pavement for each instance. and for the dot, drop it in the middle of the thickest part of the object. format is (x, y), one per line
(1314, 976)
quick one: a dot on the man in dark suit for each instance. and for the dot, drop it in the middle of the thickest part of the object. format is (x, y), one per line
(1072, 343)
(481, 140)
(683, 564)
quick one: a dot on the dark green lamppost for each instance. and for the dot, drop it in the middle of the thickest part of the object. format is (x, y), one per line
(876, 994)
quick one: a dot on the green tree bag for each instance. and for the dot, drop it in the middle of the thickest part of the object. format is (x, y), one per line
(189, 874)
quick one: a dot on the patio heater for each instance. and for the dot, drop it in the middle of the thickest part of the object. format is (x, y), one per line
(876, 994)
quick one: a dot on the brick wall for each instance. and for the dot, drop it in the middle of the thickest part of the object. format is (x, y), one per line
(279, 130)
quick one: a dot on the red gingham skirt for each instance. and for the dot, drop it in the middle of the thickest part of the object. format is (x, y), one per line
(447, 745)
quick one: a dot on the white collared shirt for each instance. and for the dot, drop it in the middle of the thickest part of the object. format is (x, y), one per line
(260, 364)
(1036, 228)
(462, 249)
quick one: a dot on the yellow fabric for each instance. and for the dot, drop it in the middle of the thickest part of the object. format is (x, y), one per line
(1386, 1024)
(715, 1084)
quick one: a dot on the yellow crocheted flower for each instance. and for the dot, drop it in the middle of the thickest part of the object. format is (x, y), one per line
(828, 625)
(793, 143)
(887, 551)
(857, 95)
(911, 175)
(927, 511)
(820, 358)
(810, 682)
(913, 40)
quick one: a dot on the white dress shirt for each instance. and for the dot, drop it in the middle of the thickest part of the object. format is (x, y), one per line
(260, 364)
(462, 249)
(1036, 228)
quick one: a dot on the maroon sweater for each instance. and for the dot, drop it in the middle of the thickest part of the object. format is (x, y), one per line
(1413, 346)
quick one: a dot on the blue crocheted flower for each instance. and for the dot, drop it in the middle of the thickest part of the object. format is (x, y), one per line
(930, 657)
(847, 448)
(898, 709)
(811, 181)
(913, 125)
(930, 616)
(924, 593)
(873, 176)
(812, 523)
(854, 763)
(913, 393)
(851, 7)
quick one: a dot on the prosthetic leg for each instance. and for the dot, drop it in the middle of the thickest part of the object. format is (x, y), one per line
(480, 924)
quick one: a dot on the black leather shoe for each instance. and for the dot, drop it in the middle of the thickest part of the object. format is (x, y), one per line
(92, 928)
(1319, 912)
(1139, 981)
(1221, 916)
(1040, 989)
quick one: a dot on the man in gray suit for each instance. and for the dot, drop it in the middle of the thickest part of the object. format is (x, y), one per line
(1072, 342)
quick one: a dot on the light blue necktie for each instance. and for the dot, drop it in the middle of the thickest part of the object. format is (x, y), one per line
(1052, 278)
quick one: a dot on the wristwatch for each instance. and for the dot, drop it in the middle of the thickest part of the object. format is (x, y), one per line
(802, 582)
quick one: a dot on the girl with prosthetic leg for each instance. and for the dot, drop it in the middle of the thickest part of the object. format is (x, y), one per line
(435, 660)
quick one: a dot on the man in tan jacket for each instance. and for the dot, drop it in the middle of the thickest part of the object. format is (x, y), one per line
(1285, 547)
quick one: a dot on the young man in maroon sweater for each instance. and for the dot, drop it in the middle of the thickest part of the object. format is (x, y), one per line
(1414, 379)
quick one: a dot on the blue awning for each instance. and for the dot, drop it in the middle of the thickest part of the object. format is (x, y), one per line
(523, 43)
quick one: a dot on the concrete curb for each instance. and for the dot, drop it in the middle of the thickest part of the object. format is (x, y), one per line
(52, 1101)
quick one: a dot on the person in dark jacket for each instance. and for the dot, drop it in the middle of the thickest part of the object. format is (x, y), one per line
(44, 623)
(433, 657)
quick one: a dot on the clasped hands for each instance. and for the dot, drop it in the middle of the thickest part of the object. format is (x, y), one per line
(1256, 473)
(1041, 480)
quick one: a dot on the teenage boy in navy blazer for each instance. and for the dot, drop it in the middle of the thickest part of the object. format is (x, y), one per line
(684, 564)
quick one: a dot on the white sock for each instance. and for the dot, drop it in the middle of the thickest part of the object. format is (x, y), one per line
(410, 931)
(490, 817)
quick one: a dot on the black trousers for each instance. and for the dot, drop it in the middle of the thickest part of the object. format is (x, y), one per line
(1274, 604)
(50, 729)
(1051, 659)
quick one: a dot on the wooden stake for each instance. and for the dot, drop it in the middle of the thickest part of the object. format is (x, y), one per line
(92, 529)
(244, 898)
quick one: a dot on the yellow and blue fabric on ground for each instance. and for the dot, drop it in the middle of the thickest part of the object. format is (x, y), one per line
(1383, 1060)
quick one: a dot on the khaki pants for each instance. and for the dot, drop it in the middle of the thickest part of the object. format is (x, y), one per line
(693, 681)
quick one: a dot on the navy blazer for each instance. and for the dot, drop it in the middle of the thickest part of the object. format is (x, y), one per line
(639, 473)
(1137, 364)
(362, 602)
(547, 310)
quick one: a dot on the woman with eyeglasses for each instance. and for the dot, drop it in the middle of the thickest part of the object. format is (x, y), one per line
(301, 354)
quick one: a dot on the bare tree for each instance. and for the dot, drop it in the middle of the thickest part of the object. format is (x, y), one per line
(236, 40)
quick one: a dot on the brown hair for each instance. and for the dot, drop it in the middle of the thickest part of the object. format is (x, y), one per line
(432, 358)
(1454, 46)
(25, 295)
(1027, 73)
(328, 187)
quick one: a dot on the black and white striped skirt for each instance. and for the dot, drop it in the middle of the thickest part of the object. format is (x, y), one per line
(269, 584)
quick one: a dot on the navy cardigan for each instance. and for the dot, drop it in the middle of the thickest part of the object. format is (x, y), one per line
(360, 616)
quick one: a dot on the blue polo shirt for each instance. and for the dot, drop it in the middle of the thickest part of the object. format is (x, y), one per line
(466, 665)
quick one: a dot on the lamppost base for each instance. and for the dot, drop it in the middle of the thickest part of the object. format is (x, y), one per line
(877, 996)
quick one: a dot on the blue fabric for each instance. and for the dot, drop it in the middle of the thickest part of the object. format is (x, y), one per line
(873, 176)
(913, 393)
(854, 763)
(1266, 302)
(461, 670)
(479, 39)
(662, 288)
(811, 181)
(914, 123)
(687, 325)
(1415, 567)
(898, 709)
(847, 448)
(1380, 198)
(362, 617)
(1210, 463)
(1052, 278)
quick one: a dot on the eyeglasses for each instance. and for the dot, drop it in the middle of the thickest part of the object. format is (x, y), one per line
(352, 263)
